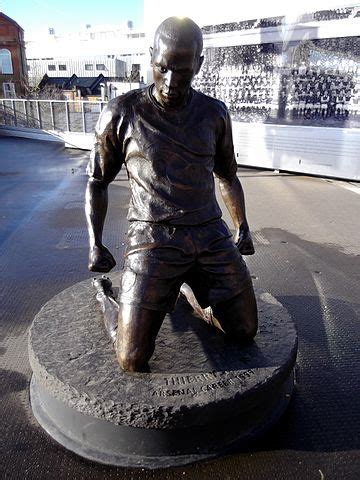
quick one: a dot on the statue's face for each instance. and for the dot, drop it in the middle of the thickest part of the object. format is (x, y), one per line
(174, 67)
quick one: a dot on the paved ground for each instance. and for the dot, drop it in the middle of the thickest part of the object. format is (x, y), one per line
(308, 256)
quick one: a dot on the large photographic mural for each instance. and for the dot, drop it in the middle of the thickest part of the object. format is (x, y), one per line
(312, 82)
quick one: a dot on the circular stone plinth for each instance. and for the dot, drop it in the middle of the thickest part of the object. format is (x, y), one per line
(203, 397)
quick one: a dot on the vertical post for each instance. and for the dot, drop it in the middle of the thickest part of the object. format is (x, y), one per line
(14, 112)
(38, 113)
(4, 112)
(52, 114)
(67, 115)
(25, 112)
(83, 116)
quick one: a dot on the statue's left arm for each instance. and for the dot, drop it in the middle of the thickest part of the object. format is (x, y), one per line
(230, 187)
(105, 163)
(233, 196)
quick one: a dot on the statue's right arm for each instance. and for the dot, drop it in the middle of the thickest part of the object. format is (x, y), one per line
(105, 163)
(230, 186)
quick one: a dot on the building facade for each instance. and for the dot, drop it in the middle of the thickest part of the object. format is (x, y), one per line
(106, 65)
(13, 70)
(115, 52)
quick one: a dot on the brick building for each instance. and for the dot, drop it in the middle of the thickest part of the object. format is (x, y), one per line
(13, 70)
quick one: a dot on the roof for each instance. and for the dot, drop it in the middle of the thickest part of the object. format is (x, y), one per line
(62, 82)
(68, 83)
(10, 20)
(87, 82)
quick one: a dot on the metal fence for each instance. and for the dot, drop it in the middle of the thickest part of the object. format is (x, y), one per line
(61, 115)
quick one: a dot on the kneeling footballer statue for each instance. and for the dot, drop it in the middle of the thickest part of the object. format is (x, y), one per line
(172, 140)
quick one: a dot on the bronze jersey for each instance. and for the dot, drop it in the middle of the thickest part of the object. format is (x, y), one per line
(170, 155)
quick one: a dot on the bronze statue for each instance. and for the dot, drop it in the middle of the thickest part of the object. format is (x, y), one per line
(171, 139)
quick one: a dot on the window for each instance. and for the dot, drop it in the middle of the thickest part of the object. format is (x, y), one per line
(51, 67)
(89, 66)
(9, 90)
(62, 67)
(100, 66)
(5, 61)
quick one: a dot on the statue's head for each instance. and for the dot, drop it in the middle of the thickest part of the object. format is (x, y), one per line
(175, 59)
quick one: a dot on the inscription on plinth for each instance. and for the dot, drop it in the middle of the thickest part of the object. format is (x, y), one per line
(192, 385)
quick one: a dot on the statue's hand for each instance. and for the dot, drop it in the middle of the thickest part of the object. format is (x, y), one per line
(244, 241)
(100, 259)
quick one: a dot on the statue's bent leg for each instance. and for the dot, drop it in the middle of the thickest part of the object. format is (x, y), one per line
(136, 334)
(238, 316)
(203, 313)
(109, 305)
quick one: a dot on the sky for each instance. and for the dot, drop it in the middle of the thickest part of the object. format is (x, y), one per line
(36, 16)
(71, 15)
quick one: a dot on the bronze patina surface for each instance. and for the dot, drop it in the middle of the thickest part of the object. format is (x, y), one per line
(172, 140)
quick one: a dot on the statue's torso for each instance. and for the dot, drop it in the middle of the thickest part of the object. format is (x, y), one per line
(170, 157)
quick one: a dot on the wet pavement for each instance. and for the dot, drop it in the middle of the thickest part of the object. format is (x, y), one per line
(306, 233)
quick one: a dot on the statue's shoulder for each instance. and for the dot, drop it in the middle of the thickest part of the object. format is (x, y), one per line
(118, 110)
(123, 103)
(214, 105)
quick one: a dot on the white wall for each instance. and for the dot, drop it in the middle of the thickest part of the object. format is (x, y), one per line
(118, 88)
(287, 33)
(51, 46)
(332, 152)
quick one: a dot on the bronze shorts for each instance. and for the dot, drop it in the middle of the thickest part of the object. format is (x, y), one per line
(160, 258)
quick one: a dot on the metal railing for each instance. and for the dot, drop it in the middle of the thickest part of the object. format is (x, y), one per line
(59, 115)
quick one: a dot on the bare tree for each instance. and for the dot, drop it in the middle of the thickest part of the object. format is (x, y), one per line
(48, 92)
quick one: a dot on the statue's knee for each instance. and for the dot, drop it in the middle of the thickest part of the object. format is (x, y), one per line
(239, 327)
(132, 361)
(242, 331)
(238, 318)
(250, 330)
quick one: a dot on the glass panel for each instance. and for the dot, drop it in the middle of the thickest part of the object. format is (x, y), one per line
(59, 116)
(92, 112)
(75, 117)
(45, 112)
